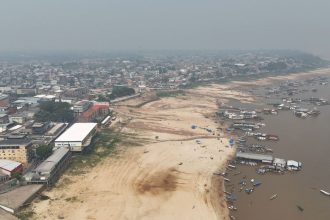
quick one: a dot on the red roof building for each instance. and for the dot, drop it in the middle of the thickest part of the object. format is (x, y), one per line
(97, 110)
(10, 167)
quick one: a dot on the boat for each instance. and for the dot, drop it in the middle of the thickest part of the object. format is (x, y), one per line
(231, 166)
(325, 192)
(232, 208)
(226, 179)
(256, 183)
(273, 197)
(300, 208)
(272, 137)
(248, 191)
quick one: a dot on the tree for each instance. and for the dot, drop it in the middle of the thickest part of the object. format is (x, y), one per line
(54, 111)
(102, 98)
(120, 91)
(44, 151)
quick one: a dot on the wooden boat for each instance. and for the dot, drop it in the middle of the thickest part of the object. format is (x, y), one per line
(226, 179)
(325, 192)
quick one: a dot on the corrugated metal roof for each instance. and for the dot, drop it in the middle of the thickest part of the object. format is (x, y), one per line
(48, 165)
(279, 161)
(253, 156)
(9, 165)
(77, 132)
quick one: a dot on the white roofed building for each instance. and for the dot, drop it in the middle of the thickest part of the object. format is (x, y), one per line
(77, 137)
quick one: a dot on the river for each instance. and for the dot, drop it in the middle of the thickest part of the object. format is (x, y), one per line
(306, 140)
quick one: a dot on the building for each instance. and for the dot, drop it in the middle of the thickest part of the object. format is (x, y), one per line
(26, 91)
(56, 130)
(40, 128)
(4, 119)
(4, 100)
(10, 167)
(17, 148)
(259, 158)
(96, 111)
(81, 106)
(77, 137)
(18, 118)
(50, 169)
(279, 163)
(293, 165)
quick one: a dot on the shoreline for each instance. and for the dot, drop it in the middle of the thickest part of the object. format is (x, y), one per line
(157, 119)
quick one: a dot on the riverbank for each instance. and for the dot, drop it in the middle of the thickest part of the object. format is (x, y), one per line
(167, 174)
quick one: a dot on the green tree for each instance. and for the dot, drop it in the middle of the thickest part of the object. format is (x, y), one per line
(102, 98)
(44, 151)
(54, 111)
(120, 91)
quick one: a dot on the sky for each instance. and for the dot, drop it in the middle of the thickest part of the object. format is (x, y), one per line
(105, 25)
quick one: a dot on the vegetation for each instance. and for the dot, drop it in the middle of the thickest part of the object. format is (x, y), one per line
(102, 146)
(170, 93)
(54, 111)
(120, 91)
(17, 176)
(25, 214)
(44, 151)
(102, 98)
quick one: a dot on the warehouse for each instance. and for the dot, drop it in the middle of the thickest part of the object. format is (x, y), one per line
(77, 137)
(50, 169)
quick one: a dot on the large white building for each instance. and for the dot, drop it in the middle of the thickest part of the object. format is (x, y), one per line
(77, 137)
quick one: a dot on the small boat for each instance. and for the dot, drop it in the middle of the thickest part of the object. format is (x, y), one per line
(325, 192)
(232, 208)
(226, 179)
(256, 183)
(300, 208)
(239, 172)
(248, 191)
(231, 166)
(273, 197)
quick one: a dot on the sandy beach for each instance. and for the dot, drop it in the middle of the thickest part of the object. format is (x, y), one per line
(166, 177)
(169, 176)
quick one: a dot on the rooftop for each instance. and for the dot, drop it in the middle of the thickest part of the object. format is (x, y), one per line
(253, 156)
(15, 141)
(77, 132)
(48, 164)
(8, 165)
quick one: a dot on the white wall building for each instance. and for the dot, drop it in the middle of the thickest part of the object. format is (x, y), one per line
(77, 137)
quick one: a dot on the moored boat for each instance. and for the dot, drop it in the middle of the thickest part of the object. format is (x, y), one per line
(325, 192)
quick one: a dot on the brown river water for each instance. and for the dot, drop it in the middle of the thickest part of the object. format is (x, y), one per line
(306, 140)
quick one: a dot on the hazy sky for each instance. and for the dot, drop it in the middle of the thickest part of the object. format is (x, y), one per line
(165, 24)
